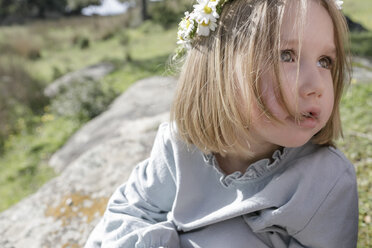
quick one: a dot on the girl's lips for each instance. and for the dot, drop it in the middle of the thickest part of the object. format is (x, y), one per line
(313, 112)
(306, 120)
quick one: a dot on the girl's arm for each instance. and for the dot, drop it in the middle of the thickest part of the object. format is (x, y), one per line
(136, 215)
(335, 222)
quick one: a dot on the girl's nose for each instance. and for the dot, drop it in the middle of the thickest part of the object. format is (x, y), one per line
(311, 81)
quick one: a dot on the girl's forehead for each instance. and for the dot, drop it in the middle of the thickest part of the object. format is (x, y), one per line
(315, 24)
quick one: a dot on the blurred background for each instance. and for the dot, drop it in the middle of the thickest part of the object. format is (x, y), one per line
(62, 62)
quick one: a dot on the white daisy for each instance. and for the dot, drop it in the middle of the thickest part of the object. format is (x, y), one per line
(184, 43)
(188, 25)
(205, 11)
(339, 3)
(200, 22)
(205, 28)
(213, 3)
(185, 28)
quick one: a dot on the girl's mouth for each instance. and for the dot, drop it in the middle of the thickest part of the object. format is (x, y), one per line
(307, 119)
(310, 114)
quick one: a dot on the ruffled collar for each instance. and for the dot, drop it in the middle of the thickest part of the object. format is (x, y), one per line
(256, 170)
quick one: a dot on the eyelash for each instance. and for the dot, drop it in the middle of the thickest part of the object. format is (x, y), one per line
(292, 58)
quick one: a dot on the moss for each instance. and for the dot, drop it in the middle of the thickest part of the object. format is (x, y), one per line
(77, 205)
(70, 245)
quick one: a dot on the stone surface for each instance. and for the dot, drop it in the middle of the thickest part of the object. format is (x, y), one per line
(149, 97)
(93, 73)
(362, 71)
(96, 160)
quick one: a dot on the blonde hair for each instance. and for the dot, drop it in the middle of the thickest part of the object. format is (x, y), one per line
(224, 68)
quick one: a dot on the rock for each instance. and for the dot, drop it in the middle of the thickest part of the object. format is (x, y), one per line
(362, 75)
(92, 73)
(148, 97)
(64, 211)
(362, 70)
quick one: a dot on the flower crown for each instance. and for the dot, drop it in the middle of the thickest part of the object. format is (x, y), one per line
(202, 20)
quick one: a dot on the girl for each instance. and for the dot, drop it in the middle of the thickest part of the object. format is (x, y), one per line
(248, 159)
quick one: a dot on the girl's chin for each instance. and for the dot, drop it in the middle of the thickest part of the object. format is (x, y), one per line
(297, 141)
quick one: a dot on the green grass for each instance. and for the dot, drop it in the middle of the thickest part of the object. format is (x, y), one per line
(145, 44)
(360, 11)
(361, 43)
(58, 42)
(356, 113)
(23, 168)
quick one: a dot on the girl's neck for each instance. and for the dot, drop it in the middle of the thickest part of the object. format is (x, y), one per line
(239, 162)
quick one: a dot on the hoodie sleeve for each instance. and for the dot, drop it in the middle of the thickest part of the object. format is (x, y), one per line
(136, 215)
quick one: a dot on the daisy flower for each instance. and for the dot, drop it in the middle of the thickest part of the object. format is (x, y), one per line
(205, 10)
(206, 16)
(205, 28)
(339, 3)
(185, 30)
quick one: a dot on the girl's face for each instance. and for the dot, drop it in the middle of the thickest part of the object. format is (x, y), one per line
(310, 95)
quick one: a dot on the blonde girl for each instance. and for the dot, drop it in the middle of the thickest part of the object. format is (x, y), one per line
(248, 159)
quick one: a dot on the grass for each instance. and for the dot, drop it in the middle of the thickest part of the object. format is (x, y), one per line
(359, 11)
(356, 113)
(144, 44)
(24, 168)
(361, 44)
(59, 43)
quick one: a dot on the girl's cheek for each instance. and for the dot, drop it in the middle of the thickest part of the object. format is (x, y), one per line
(272, 102)
(275, 108)
(270, 93)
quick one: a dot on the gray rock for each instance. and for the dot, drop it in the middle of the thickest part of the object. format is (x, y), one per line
(362, 70)
(64, 211)
(93, 73)
(147, 98)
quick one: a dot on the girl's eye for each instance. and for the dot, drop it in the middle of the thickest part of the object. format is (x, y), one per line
(287, 56)
(325, 63)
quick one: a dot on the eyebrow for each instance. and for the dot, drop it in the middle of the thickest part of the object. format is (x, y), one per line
(331, 49)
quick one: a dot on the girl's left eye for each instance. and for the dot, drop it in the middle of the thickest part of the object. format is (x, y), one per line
(325, 62)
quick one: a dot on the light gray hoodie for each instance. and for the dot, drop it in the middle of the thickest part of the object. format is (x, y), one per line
(179, 197)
